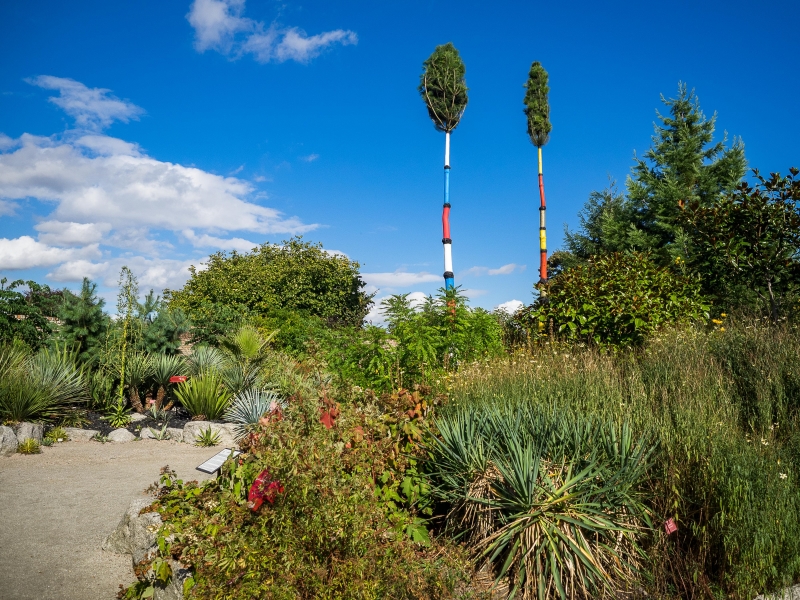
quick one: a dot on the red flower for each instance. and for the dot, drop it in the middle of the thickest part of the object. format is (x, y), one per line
(263, 488)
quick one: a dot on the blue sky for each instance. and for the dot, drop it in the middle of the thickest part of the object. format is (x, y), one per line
(154, 133)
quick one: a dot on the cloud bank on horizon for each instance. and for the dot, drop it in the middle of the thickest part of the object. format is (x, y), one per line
(219, 25)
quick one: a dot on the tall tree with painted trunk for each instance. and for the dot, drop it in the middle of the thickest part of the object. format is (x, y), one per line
(537, 109)
(444, 90)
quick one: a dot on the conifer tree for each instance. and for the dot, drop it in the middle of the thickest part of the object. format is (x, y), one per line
(444, 90)
(682, 166)
(83, 321)
(537, 109)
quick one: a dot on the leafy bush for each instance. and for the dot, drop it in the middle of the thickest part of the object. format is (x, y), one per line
(204, 396)
(326, 536)
(616, 300)
(552, 500)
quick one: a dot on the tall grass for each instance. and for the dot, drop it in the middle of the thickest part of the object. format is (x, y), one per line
(722, 407)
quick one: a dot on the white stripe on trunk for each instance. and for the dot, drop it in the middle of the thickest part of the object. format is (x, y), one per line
(447, 149)
(448, 257)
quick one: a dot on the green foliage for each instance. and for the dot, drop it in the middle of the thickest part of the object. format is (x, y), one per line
(682, 166)
(722, 470)
(552, 499)
(57, 434)
(294, 275)
(163, 367)
(138, 370)
(20, 319)
(249, 407)
(443, 87)
(748, 242)
(419, 344)
(204, 396)
(537, 108)
(207, 437)
(127, 303)
(42, 386)
(29, 446)
(326, 535)
(615, 300)
(163, 334)
(118, 415)
(83, 322)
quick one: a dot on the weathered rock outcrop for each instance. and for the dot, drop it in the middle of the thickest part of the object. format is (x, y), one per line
(8, 441)
(26, 431)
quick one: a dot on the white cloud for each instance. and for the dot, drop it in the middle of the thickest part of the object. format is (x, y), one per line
(399, 279)
(504, 270)
(510, 307)
(209, 241)
(26, 253)
(7, 208)
(60, 233)
(92, 108)
(133, 190)
(310, 157)
(219, 25)
(6, 143)
(155, 273)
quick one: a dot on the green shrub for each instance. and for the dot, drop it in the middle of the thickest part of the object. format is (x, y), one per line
(29, 446)
(328, 534)
(57, 434)
(204, 396)
(552, 500)
(207, 437)
(615, 300)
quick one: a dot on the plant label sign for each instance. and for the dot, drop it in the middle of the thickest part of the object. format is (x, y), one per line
(670, 527)
(213, 464)
(177, 379)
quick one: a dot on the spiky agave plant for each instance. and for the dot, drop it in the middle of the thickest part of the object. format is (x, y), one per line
(444, 90)
(537, 111)
(249, 407)
(164, 367)
(138, 370)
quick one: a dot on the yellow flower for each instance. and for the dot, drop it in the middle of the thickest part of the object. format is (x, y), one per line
(722, 329)
(723, 315)
(716, 321)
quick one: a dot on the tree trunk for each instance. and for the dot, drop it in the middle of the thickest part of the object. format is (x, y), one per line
(136, 403)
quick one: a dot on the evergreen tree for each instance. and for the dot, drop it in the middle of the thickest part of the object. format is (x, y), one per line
(83, 321)
(683, 166)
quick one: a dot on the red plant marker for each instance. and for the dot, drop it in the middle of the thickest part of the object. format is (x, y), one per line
(263, 488)
(177, 379)
(670, 527)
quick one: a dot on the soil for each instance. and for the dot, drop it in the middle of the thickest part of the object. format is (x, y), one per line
(56, 508)
(178, 417)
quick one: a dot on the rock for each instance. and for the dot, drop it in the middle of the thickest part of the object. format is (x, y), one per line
(8, 441)
(75, 434)
(146, 434)
(174, 589)
(792, 593)
(192, 429)
(121, 435)
(136, 417)
(135, 534)
(25, 431)
(175, 433)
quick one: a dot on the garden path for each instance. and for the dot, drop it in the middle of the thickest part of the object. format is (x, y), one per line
(56, 508)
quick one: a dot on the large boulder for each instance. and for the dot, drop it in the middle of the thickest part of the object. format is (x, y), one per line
(121, 435)
(136, 533)
(76, 434)
(225, 431)
(26, 431)
(174, 589)
(8, 441)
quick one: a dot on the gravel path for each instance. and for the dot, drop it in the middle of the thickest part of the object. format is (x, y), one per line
(56, 508)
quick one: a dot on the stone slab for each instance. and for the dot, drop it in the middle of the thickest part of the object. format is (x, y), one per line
(76, 434)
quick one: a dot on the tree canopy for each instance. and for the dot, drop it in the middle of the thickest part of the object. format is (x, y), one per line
(537, 107)
(443, 87)
(295, 275)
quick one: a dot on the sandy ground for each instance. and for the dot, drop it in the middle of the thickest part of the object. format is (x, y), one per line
(56, 508)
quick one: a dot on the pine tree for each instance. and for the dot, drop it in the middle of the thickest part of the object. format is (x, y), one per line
(83, 321)
(683, 166)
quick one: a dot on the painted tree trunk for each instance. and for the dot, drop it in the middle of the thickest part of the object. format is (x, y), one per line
(447, 242)
(542, 226)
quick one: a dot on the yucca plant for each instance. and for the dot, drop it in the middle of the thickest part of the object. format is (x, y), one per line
(249, 407)
(204, 396)
(165, 366)
(550, 500)
(39, 387)
(204, 359)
